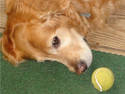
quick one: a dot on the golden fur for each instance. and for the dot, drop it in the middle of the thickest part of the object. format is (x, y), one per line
(31, 25)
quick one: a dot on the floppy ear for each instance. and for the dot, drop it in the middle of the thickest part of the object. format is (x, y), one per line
(8, 46)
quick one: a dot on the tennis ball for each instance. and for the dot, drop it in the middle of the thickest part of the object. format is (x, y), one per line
(102, 79)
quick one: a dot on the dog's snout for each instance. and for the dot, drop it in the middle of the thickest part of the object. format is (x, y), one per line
(81, 67)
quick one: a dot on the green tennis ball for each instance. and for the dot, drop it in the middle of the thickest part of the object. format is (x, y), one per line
(102, 79)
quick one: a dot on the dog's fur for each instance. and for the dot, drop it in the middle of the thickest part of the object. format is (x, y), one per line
(32, 24)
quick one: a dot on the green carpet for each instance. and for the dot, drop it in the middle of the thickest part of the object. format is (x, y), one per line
(54, 78)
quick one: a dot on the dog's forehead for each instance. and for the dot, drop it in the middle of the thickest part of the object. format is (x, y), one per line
(63, 32)
(68, 33)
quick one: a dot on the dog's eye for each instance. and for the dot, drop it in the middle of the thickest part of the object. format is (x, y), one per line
(56, 42)
(85, 40)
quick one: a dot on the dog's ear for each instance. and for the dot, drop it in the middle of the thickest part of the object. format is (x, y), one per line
(8, 45)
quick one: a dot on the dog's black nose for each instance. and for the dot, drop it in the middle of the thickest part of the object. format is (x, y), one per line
(81, 67)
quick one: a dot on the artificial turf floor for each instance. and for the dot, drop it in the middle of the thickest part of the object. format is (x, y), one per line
(54, 78)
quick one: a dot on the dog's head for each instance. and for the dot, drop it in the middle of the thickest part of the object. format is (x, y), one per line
(66, 45)
(52, 39)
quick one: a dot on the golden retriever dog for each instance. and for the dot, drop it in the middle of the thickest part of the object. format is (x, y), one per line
(52, 30)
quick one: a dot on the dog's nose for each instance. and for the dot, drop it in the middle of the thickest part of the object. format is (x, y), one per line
(81, 67)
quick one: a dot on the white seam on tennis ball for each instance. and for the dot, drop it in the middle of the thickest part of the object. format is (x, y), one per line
(98, 82)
